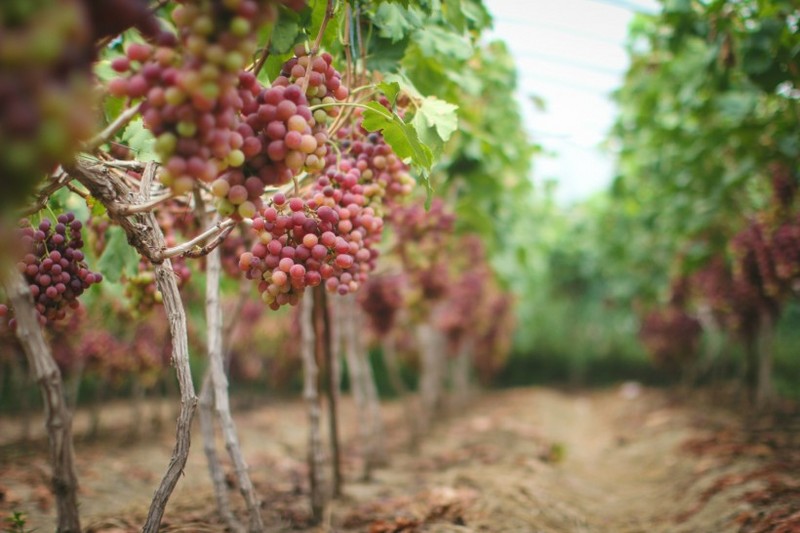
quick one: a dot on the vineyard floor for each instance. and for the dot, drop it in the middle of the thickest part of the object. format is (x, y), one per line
(619, 460)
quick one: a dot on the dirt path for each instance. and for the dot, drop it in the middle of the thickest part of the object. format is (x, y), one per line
(527, 460)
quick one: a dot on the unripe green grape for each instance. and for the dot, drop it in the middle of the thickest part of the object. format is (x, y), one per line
(186, 129)
(220, 188)
(165, 144)
(240, 26)
(225, 208)
(234, 61)
(236, 158)
(247, 210)
(182, 185)
(174, 96)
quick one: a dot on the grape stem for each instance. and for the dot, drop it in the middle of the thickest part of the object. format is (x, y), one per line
(56, 181)
(149, 205)
(104, 136)
(318, 41)
(262, 59)
(217, 231)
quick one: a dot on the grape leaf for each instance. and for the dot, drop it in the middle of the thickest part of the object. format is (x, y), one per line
(395, 22)
(119, 257)
(390, 89)
(140, 140)
(439, 115)
(436, 42)
(284, 35)
(403, 139)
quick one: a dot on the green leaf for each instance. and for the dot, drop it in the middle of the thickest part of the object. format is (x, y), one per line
(272, 67)
(140, 140)
(435, 42)
(284, 35)
(439, 115)
(395, 22)
(318, 10)
(454, 15)
(96, 207)
(402, 138)
(119, 257)
(390, 89)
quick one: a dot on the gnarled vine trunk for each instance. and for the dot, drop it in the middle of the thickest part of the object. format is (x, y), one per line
(145, 235)
(58, 419)
(432, 362)
(311, 396)
(206, 415)
(461, 372)
(324, 352)
(219, 382)
(765, 392)
(389, 354)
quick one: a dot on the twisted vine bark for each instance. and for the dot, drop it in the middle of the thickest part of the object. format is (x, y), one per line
(58, 419)
(206, 415)
(432, 372)
(389, 354)
(219, 382)
(461, 371)
(311, 396)
(377, 450)
(143, 232)
(324, 352)
(365, 391)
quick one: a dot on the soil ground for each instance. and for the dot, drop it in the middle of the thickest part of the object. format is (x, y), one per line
(620, 460)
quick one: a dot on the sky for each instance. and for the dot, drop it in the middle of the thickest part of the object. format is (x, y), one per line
(571, 54)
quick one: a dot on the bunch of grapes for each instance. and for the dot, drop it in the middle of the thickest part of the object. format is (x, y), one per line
(493, 342)
(461, 309)
(45, 90)
(46, 107)
(141, 290)
(786, 251)
(304, 242)
(421, 245)
(753, 259)
(671, 336)
(195, 88)
(53, 265)
(386, 177)
(381, 300)
(281, 134)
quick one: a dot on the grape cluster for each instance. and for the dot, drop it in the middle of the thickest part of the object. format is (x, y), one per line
(381, 300)
(53, 265)
(671, 336)
(282, 136)
(141, 289)
(785, 251)
(46, 107)
(753, 262)
(421, 246)
(305, 242)
(195, 88)
(386, 177)
(45, 90)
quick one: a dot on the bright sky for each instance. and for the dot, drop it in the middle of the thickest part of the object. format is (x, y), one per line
(570, 53)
